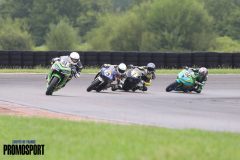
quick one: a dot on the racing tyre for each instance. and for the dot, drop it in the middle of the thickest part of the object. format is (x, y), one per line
(171, 87)
(101, 87)
(52, 86)
(134, 89)
(94, 84)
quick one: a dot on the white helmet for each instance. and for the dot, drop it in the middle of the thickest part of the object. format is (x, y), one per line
(203, 71)
(151, 67)
(121, 68)
(74, 58)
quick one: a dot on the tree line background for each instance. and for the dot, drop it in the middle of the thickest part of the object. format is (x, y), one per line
(120, 25)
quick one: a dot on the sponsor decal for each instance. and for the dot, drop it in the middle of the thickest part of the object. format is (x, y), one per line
(23, 147)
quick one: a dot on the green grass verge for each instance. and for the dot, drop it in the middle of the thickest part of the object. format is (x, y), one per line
(95, 70)
(97, 141)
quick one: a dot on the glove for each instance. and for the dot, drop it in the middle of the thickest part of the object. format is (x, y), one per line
(77, 75)
(195, 70)
(199, 83)
(124, 75)
(106, 65)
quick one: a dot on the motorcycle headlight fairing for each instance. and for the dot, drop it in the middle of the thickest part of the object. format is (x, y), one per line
(55, 67)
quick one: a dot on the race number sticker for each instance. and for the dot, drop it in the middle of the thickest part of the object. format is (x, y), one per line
(107, 73)
(187, 74)
(134, 73)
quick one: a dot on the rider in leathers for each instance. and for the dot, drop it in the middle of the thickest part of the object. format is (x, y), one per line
(118, 71)
(148, 74)
(75, 64)
(200, 76)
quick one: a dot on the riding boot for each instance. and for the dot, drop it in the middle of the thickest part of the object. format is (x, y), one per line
(115, 87)
(196, 89)
(144, 88)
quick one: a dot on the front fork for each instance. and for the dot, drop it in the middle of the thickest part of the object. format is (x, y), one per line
(49, 76)
(105, 81)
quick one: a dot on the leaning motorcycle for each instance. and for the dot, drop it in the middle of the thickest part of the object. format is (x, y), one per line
(59, 75)
(132, 80)
(185, 82)
(102, 80)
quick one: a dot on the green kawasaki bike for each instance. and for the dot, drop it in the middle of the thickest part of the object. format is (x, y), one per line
(58, 77)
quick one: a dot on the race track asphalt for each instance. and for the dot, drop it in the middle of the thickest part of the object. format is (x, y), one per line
(217, 108)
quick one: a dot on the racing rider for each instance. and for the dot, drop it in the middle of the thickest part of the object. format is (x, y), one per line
(201, 75)
(75, 64)
(148, 74)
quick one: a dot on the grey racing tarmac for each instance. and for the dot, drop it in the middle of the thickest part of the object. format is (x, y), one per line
(217, 108)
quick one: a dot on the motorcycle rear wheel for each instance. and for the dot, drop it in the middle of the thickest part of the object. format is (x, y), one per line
(52, 85)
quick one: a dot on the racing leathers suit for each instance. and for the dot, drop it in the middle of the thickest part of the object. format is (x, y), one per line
(116, 75)
(76, 69)
(200, 80)
(146, 78)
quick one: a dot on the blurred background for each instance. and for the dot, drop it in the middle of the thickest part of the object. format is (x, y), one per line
(120, 25)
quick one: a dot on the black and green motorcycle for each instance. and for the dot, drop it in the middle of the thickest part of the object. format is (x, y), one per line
(58, 77)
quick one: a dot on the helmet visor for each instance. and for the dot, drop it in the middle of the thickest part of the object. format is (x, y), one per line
(74, 60)
(150, 69)
(120, 70)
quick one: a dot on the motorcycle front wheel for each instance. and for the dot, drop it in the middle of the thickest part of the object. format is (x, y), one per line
(94, 84)
(52, 85)
(101, 86)
(172, 86)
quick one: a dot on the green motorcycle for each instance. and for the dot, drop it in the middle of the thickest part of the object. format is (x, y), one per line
(58, 77)
(185, 82)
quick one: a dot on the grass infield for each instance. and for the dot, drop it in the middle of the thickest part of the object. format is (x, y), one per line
(94, 141)
(95, 70)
